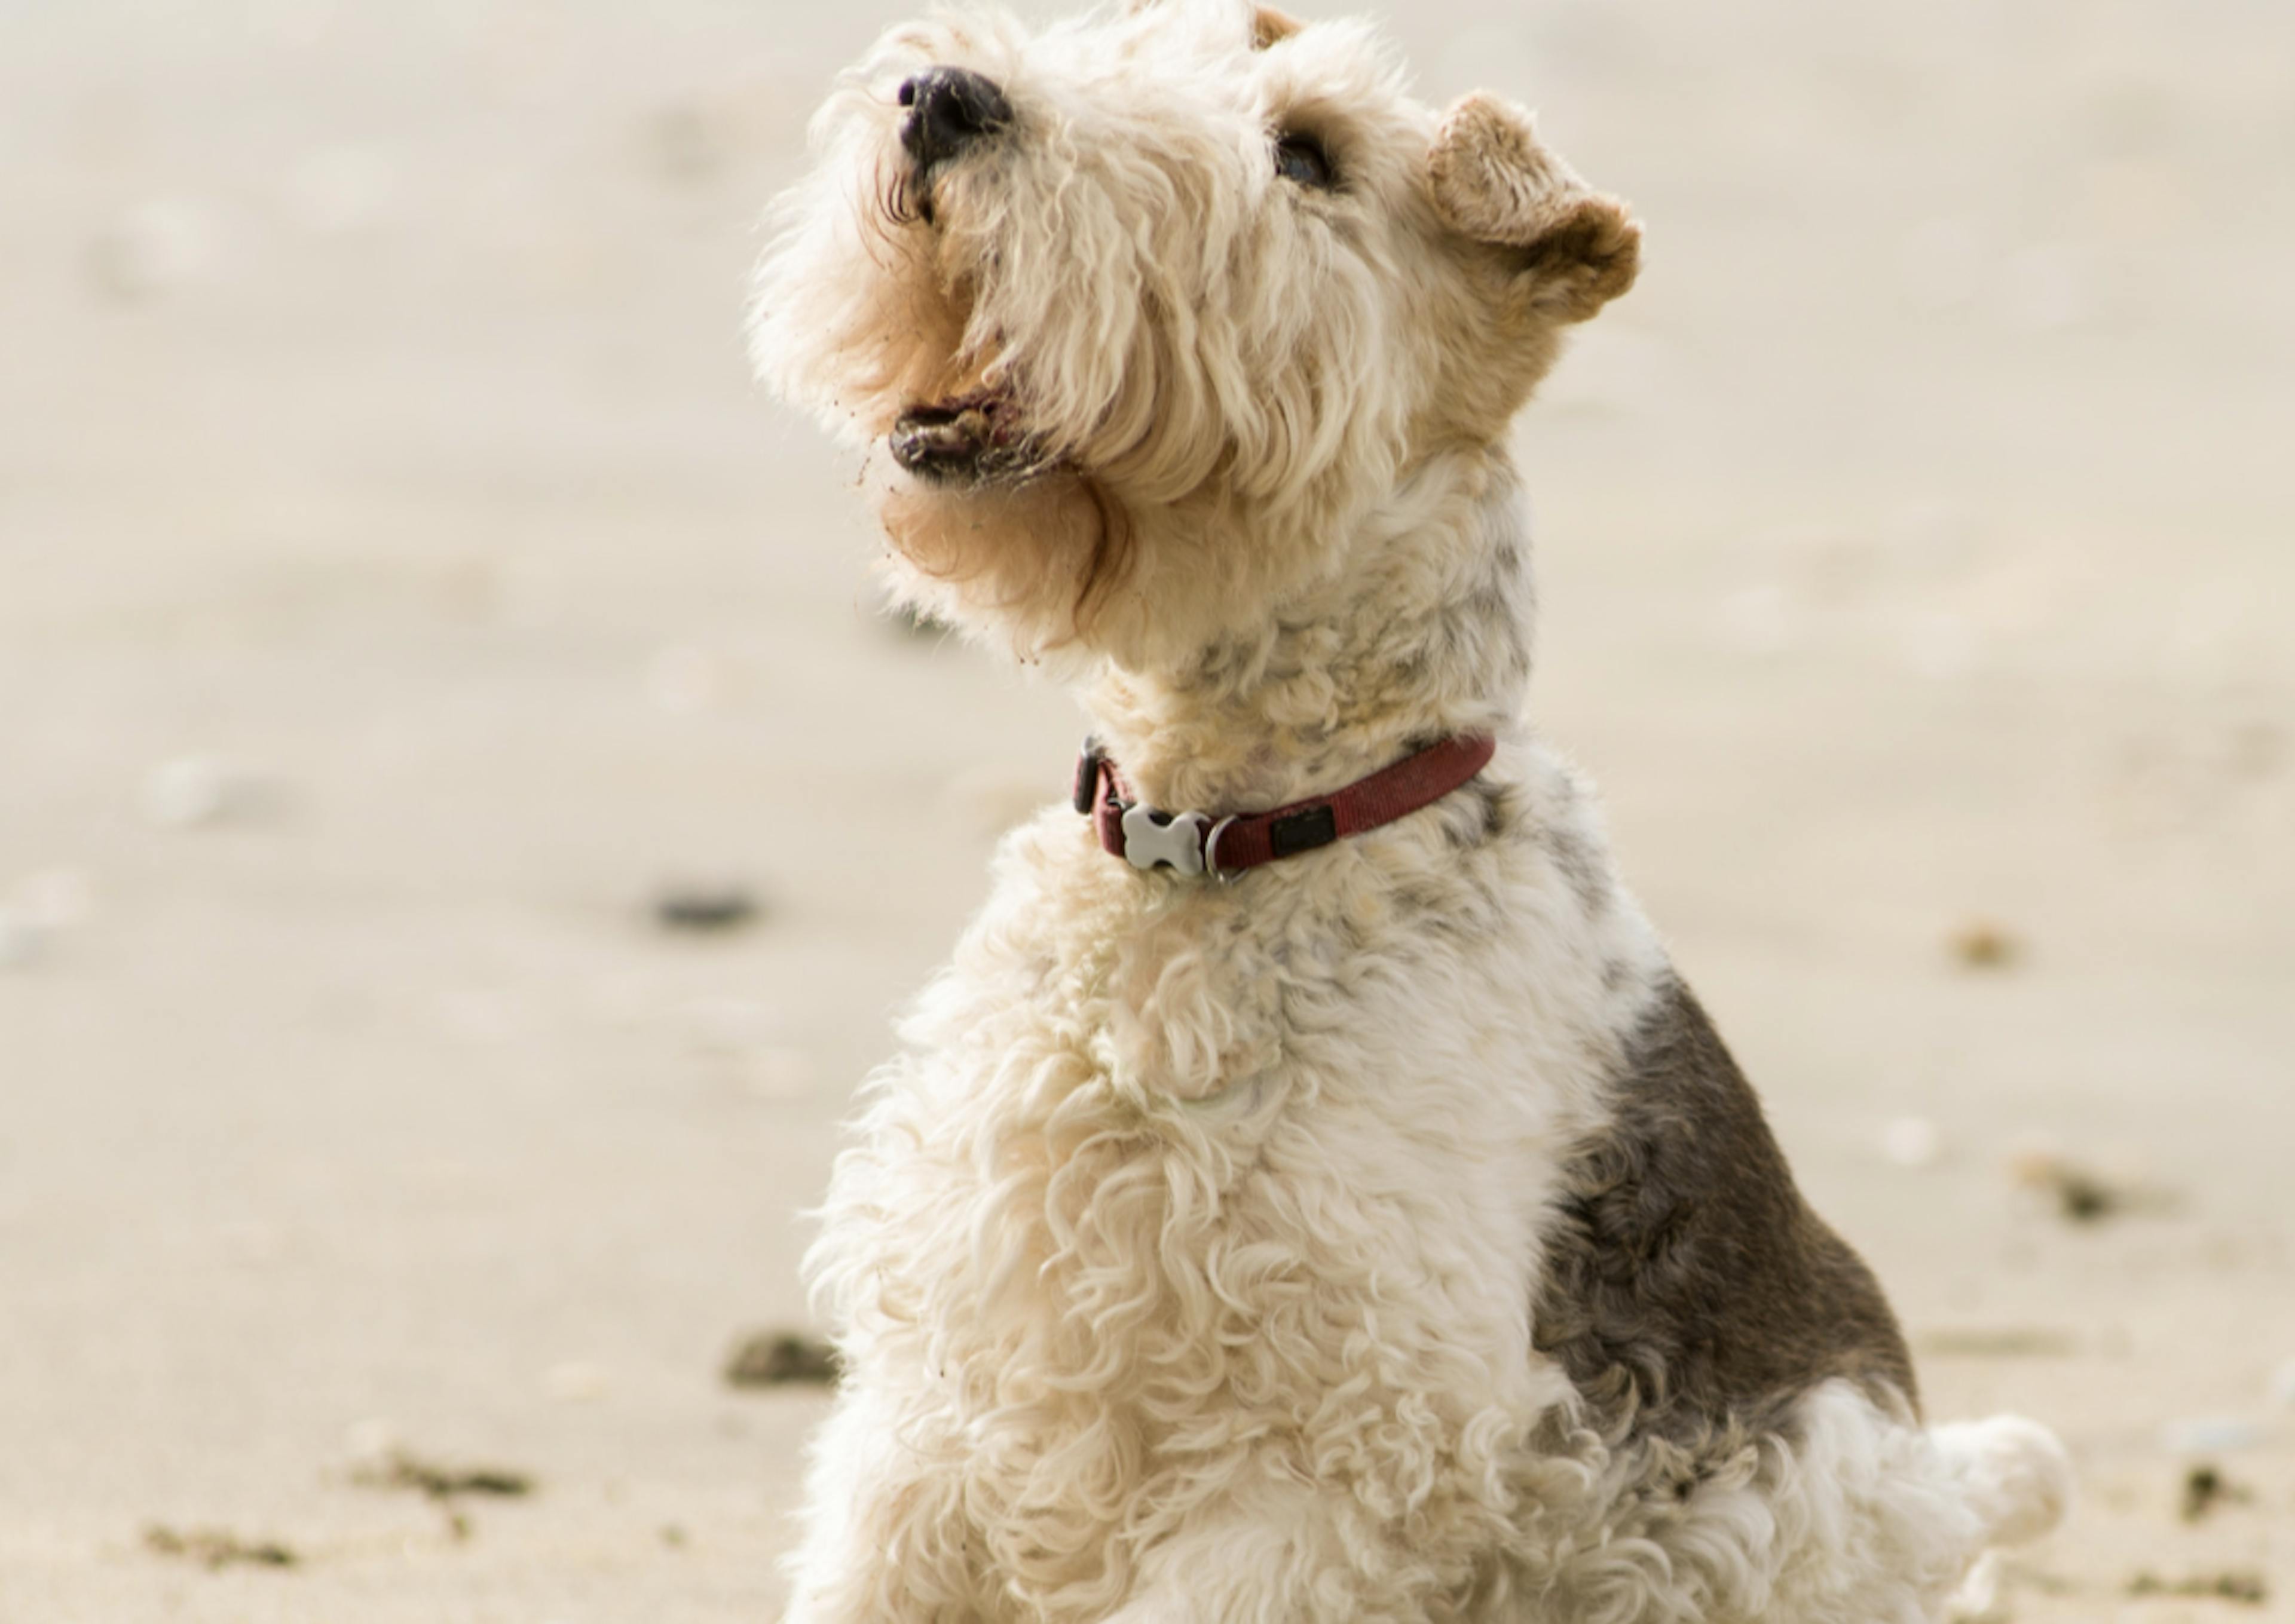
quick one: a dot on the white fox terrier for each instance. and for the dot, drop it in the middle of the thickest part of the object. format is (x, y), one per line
(1319, 1199)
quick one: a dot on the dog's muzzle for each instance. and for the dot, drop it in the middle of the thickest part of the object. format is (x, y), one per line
(950, 109)
(974, 437)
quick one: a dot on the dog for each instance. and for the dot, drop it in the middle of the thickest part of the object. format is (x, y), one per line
(1309, 1194)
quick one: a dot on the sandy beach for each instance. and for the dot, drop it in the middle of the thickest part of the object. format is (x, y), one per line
(403, 586)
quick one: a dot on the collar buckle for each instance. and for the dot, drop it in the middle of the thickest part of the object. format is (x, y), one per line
(1152, 838)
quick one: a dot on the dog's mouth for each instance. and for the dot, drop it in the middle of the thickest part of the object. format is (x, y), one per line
(964, 439)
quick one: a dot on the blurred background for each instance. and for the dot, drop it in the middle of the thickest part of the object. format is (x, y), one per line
(464, 823)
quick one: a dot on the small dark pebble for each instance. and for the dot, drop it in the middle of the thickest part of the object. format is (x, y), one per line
(2205, 1488)
(2231, 1586)
(1981, 944)
(439, 1483)
(2080, 1195)
(778, 1359)
(702, 907)
(214, 1548)
(2084, 1198)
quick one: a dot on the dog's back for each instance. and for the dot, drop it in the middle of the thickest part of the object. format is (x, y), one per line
(1687, 1287)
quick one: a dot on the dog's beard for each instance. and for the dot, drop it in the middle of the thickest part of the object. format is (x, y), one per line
(978, 437)
(1035, 555)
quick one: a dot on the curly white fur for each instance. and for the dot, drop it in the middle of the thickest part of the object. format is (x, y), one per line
(1186, 1263)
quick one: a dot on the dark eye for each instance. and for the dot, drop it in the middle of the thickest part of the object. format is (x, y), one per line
(1301, 160)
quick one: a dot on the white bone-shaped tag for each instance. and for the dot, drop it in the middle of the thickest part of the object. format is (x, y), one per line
(1179, 842)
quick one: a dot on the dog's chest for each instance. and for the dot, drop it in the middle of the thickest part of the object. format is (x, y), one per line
(1185, 1159)
(1181, 1186)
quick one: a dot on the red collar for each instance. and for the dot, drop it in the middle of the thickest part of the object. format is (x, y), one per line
(1194, 842)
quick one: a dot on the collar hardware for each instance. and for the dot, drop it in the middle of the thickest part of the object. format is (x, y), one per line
(1303, 831)
(1152, 837)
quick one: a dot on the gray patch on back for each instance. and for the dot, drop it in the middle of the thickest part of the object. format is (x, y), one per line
(1689, 1292)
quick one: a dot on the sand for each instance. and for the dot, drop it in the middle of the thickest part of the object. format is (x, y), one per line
(400, 582)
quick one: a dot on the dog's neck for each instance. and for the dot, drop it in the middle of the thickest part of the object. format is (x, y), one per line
(1424, 633)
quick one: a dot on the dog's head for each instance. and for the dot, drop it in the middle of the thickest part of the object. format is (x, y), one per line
(1141, 314)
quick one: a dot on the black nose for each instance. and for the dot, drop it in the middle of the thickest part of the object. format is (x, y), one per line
(948, 109)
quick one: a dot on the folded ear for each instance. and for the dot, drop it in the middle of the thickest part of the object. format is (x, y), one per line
(1493, 181)
(1270, 27)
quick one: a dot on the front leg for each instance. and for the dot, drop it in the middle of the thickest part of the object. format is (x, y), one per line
(886, 1540)
(1281, 1554)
